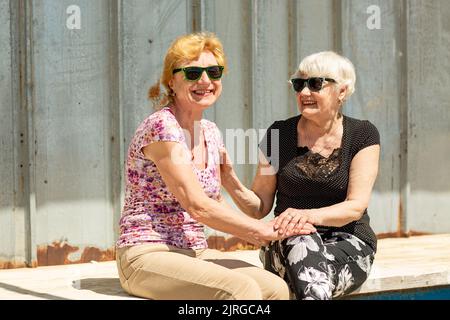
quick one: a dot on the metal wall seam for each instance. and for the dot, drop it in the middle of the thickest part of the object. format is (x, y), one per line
(27, 102)
(405, 190)
(116, 141)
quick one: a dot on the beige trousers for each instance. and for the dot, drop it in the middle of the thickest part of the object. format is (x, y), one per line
(163, 272)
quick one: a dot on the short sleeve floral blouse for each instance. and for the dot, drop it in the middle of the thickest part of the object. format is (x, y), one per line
(151, 213)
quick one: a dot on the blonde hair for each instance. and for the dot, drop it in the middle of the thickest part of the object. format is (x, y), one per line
(331, 65)
(183, 50)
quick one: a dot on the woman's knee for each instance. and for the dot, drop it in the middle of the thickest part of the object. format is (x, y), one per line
(245, 289)
(271, 286)
(279, 290)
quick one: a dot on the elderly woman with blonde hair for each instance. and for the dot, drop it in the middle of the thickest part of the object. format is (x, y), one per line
(173, 190)
(323, 175)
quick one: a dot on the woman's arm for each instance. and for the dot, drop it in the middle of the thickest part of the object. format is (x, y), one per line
(182, 182)
(256, 202)
(362, 176)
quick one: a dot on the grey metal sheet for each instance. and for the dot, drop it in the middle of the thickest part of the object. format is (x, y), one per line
(12, 229)
(376, 55)
(71, 121)
(270, 70)
(147, 30)
(428, 34)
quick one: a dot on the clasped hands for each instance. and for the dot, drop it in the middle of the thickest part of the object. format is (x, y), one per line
(294, 222)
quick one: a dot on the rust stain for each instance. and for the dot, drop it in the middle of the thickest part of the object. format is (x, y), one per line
(95, 254)
(401, 233)
(410, 233)
(229, 244)
(400, 219)
(54, 254)
(12, 265)
(58, 253)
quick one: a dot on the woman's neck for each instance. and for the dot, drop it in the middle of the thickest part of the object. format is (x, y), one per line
(186, 118)
(189, 121)
(320, 127)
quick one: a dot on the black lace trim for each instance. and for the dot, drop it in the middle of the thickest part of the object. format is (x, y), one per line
(314, 165)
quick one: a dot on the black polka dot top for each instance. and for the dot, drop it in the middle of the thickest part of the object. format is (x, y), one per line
(307, 180)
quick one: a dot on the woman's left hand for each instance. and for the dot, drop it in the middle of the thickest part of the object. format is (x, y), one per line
(226, 165)
(292, 220)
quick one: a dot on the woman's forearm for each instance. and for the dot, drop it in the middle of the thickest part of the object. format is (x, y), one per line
(292, 220)
(219, 216)
(340, 214)
(247, 201)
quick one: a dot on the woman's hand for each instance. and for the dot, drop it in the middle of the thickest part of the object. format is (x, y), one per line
(294, 221)
(271, 234)
(226, 166)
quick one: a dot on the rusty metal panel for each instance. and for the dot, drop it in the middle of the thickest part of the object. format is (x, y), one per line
(428, 36)
(376, 54)
(73, 133)
(7, 161)
(12, 213)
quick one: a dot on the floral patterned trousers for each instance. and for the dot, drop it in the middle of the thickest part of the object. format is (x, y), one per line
(320, 266)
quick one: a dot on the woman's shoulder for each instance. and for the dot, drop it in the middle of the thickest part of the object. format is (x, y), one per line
(362, 133)
(360, 125)
(161, 120)
(161, 125)
(286, 123)
(161, 116)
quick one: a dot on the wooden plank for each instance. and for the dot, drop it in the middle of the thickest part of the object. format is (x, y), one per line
(406, 263)
(402, 263)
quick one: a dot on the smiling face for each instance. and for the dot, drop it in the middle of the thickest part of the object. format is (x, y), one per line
(327, 102)
(199, 94)
(321, 104)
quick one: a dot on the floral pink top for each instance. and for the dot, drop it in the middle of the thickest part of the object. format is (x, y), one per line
(151, 213)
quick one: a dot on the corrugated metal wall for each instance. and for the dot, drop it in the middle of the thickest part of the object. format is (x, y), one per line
(70, 100)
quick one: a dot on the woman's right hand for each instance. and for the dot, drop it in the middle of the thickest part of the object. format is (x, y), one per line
(226, 166)
(273, 235)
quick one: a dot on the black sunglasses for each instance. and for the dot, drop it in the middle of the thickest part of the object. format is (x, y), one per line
(314, 83)
(195, 73)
